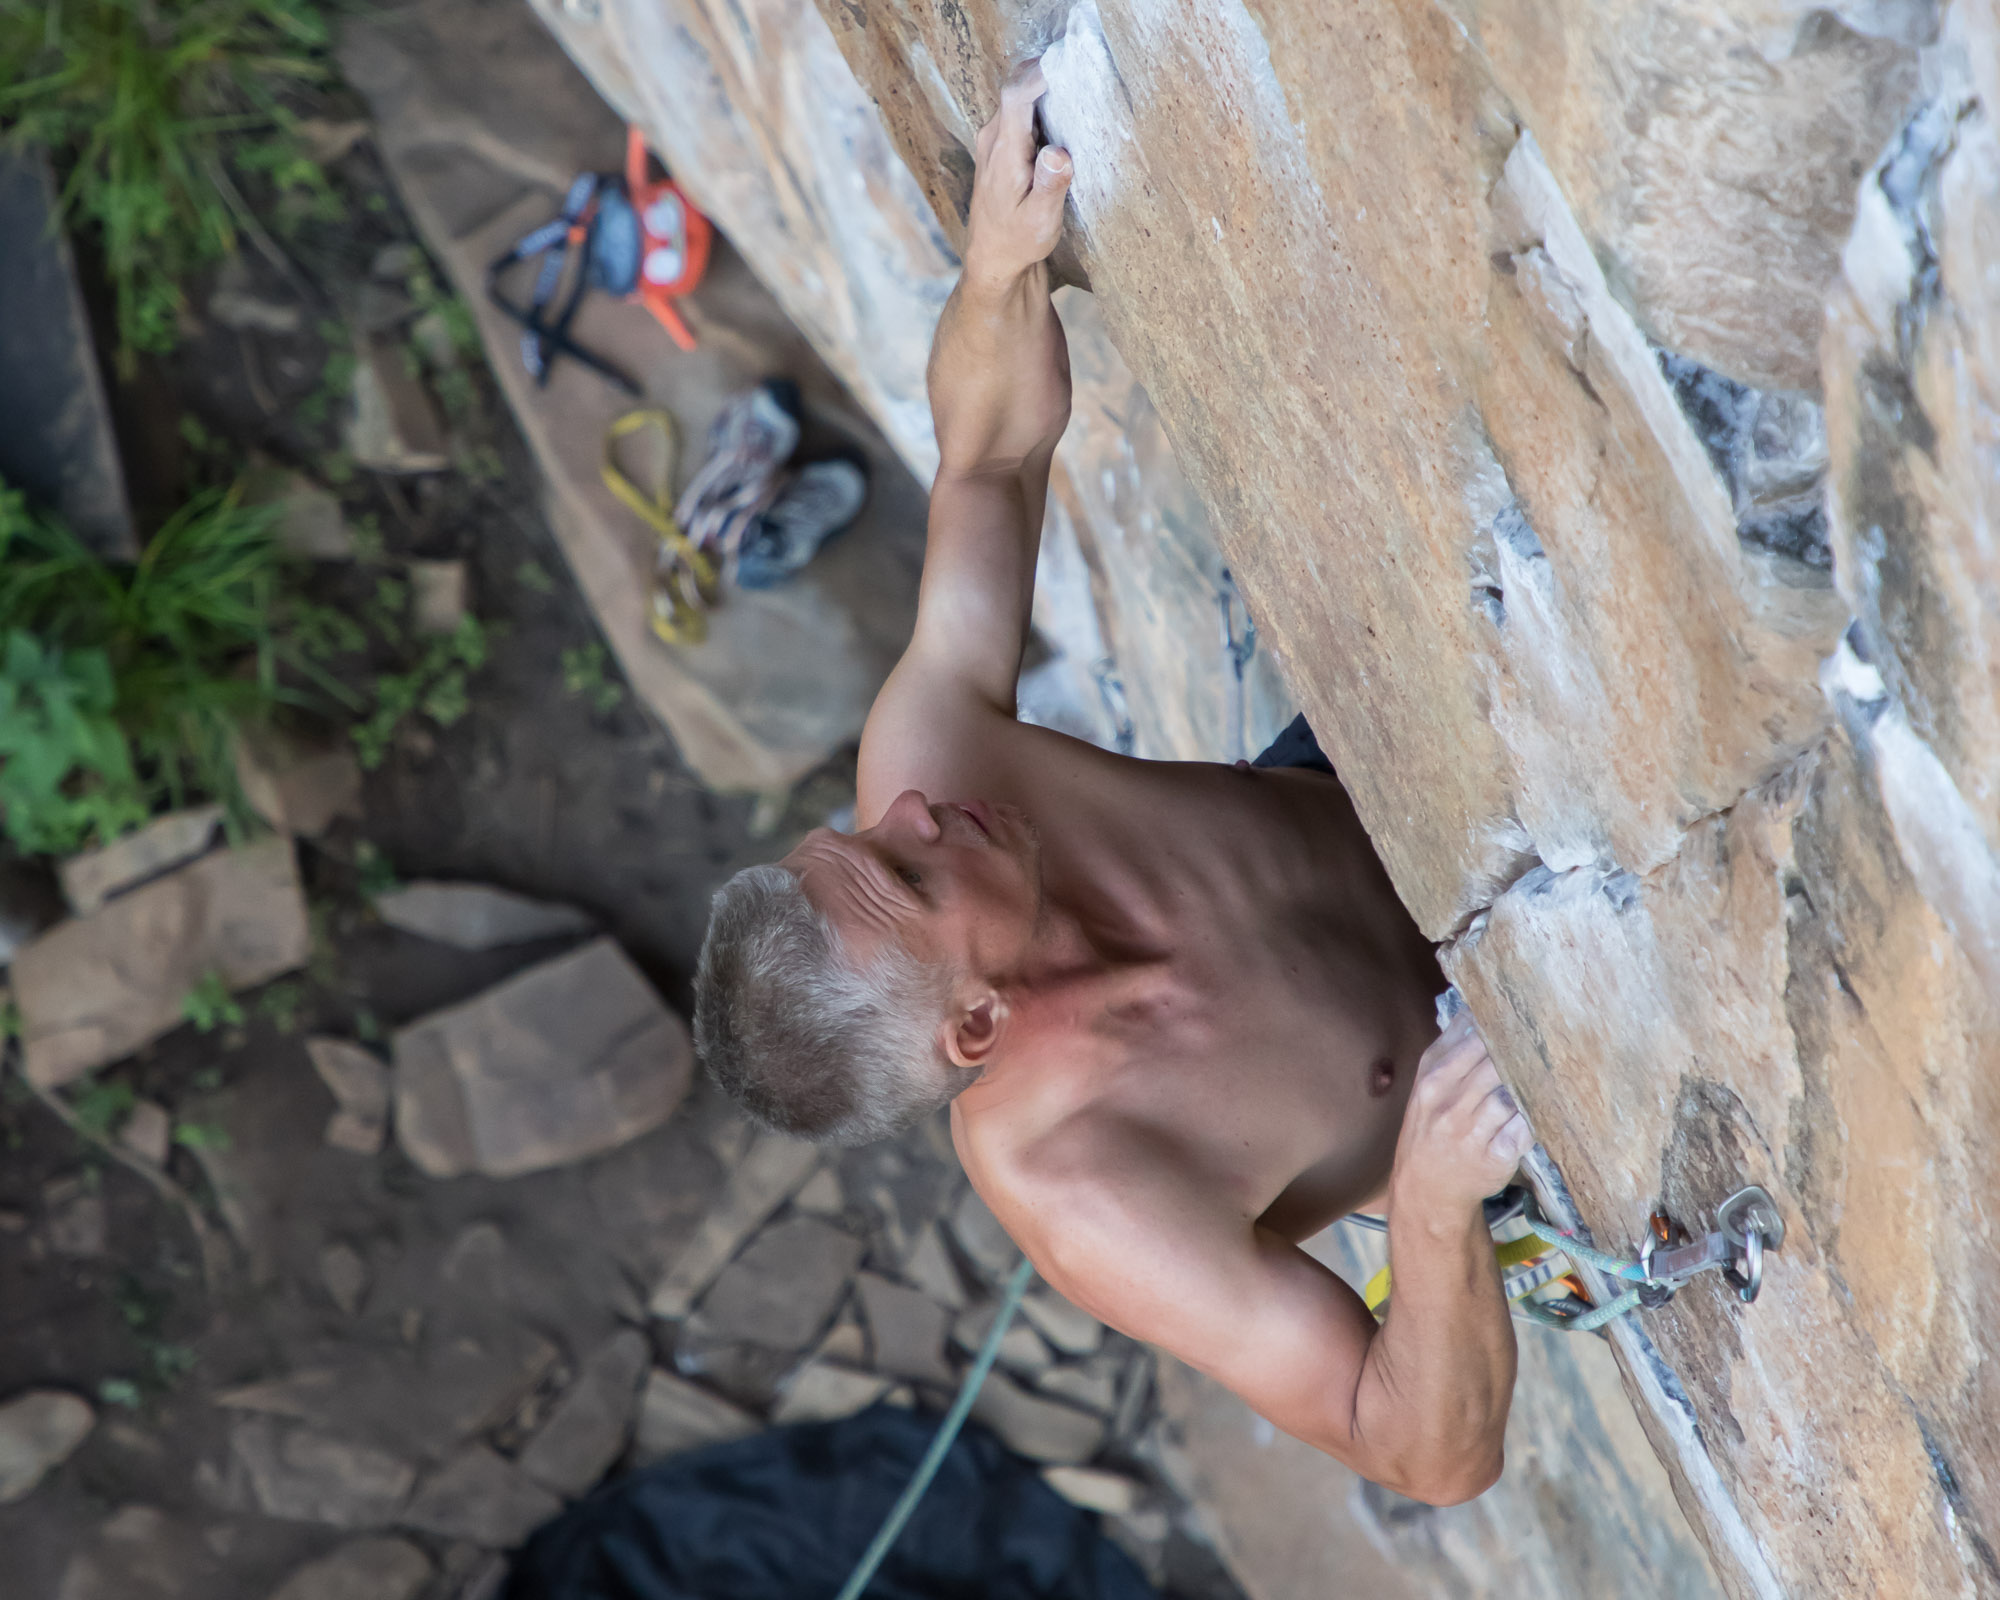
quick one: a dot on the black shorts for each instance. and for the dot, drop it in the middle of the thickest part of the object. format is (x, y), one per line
(1296, 747)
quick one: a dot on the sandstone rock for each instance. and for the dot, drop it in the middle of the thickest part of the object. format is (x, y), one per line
(1021, 1348)
(930, 1268)
(1112, 1493)
(908, 1330)
(1090, 1384)
(148, 1132)
(362, 1569)
(437, 596)
(97, 987)
(39, 1431)
(783, 1289)
(392, 425)
(766, 1176)
(301, 1475)
(587, 1430)
(1042, 1430)
(95, 876)
(297, 784)
(822, 1194)
(141, 1553)
(481, 1497)
(344, 1275)
(675, 1415)
(235, 304)
(823, 1392)
(475, 916)
(1072, 1331)
(359, 1082)
(570, 1059)
(981, 1237)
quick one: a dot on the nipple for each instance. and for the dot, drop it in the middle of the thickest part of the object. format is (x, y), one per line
(1381, 1077)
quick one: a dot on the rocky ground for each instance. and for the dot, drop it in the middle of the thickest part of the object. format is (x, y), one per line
(345, 1285)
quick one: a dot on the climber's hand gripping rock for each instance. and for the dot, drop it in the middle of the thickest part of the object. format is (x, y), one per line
(1017, 192)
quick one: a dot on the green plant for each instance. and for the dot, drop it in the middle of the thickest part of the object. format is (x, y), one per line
(534, 577)
(138, 100)
(435, 687)
(201, 1136)
(122, 1392)
(583, 674)
(374, 872)
(101, 1108)
(122, 686)
(284, 1002)
(209, 1004)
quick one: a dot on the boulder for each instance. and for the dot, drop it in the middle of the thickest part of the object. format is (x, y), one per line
(567, 1060)
(148, 1131)
(476, 916)
(97, 987)
(306, 520)
(437, 596)
(39, 1431)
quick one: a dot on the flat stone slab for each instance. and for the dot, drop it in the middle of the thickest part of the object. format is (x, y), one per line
(570, 1059)
(761, 1180)
(96, 988)
(476, 916)
(675, 1415)
(90, 879)
(909, 1330)
(822, 1392)
(1042, 1430)
(587, 1430)
(358, 1080)
(783, 1289)
(362, 1569)
(39, 1431)
(482, 1497)
(301, 1475)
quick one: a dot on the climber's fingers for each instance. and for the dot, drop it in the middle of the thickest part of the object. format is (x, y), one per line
(1006, 145)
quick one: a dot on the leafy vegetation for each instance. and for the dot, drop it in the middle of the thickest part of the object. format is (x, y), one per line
(434, 686)
(145, 105)
(209, 1004)
(583, 675)
(121, 686)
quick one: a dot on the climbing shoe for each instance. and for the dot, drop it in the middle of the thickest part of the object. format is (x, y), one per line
(817, 504)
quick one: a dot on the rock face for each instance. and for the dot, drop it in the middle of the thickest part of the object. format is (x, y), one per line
(1493, 340)
(38, 1432)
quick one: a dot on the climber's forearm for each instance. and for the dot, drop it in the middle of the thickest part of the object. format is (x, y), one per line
(1435, 1387)
(999, 376)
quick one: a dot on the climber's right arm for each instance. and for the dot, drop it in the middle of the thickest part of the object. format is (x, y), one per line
(1000, 389)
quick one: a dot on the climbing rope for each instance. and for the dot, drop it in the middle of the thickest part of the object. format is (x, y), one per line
(941, 1441)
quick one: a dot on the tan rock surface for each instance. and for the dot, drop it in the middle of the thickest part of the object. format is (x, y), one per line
(1395, 284)
(95, 988)
(567, 1060)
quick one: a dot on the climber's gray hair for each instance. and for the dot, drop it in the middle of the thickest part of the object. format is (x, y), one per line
(803, 1039)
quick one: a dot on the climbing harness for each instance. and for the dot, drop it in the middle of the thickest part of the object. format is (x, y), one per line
(635, 236)
(684, 578)
(1238, 646)
(954, 1419)
(1537, 1262)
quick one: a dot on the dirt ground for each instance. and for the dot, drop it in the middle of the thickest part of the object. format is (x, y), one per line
(477, 1301)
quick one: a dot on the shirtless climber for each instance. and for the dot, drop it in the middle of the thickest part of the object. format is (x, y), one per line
(1180, 1016)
